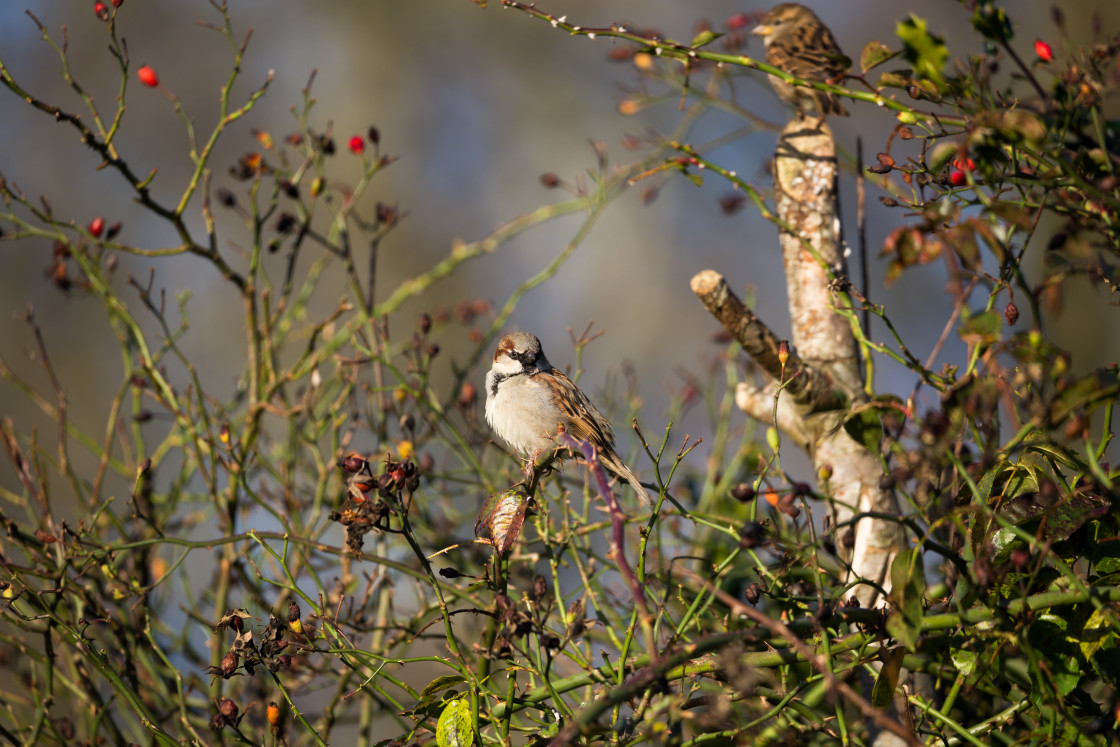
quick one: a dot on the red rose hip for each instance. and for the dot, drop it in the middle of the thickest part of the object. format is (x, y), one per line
(148, 76)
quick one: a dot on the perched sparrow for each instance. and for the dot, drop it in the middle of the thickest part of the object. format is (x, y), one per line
(799, 44)
(527, 398)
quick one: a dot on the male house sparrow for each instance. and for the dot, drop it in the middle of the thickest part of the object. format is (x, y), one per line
(527, 398)
(799, 44)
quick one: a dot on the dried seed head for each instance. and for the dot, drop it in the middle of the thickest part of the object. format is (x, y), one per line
(743, 492)
(732, 203)
(229, 664)
(227, 708)
(352, 462)
(285, 222)
(751, 535)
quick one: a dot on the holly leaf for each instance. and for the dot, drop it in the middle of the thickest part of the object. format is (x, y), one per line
(925, 51)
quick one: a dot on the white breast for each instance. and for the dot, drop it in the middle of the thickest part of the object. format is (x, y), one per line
(522, 413)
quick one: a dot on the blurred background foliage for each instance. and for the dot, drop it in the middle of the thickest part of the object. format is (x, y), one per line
(477, 104)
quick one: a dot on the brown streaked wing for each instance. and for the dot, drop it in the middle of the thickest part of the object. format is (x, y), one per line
(574, 404)
(813, 54)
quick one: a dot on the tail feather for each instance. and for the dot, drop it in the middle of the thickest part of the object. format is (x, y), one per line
(611, 461)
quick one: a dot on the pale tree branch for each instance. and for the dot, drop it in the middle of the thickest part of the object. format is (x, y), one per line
(807, 205)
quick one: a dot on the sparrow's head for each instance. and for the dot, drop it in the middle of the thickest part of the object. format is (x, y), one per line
(519, 352)
(783, 19)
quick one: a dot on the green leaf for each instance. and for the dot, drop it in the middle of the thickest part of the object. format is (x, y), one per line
(1095, 634)
(882, 694)
(875, 53)
(1099, 387)
(442, 683)
(704, 38)
(1106, 663)
(964, 661)
(961, 238)
(1048, 635)
(992, 22)
(895, 79)
(908, 585)
(1067, 458)
(984, 231)
(1067, 516)
(910, 246)
(1104, 553)
(1019, 125)
(925, 51)
(1022, 480)
(940, 156)
(696, 179)
(865, 428)
(454, 726)
(982, 329)
(1012, 214)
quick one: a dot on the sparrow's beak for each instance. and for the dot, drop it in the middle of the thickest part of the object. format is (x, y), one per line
(762, 30)
(526, 359)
